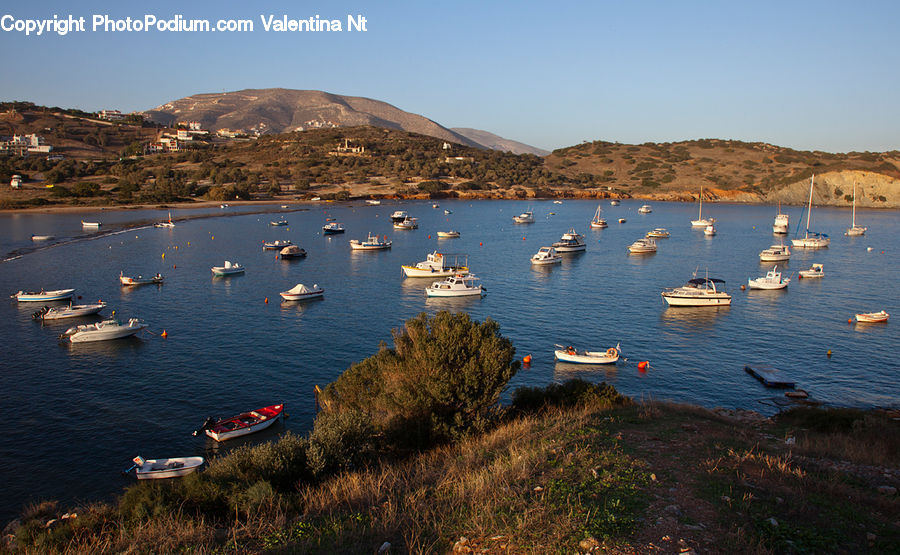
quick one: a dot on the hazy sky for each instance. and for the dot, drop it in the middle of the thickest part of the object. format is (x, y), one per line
(808, 75)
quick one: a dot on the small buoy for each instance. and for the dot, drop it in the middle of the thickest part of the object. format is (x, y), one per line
(480, 244)
(849, 320)
(643, 365)
(869, 249)
(527, 359)
(213, 237)
(164, 334)
(79, 296)
(174, 266)
(163, 255)
(189, 243)
(429, 236)
(267, 300)
(828, 354)
(523, 238)
(743, 287)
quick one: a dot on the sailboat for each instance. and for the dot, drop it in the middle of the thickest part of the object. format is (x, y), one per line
(855, 230)
(811, 240)
(700, 221)
(598, 222)
(168, 223)
(781, 224)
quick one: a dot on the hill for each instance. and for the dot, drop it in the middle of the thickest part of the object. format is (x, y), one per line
(496, 142)
(285, 110)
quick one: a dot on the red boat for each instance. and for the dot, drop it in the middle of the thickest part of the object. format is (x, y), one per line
(242, 424)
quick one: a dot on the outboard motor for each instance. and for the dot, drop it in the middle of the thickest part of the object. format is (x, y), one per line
(210, 422)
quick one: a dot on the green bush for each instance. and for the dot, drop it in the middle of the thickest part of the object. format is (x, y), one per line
(282, 463)
(341, 441)
(569, 393)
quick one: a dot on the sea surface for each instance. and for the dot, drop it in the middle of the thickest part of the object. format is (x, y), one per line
(75, 415)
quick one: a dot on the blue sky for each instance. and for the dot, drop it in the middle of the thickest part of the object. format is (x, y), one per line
(807, 75)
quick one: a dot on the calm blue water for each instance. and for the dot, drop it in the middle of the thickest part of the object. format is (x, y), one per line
(76, 415)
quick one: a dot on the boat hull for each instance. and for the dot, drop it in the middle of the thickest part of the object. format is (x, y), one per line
(454, 293)
(155, 469)
(872, 317)
(587, 357)
(810, 243)
(447, 234)
(57, 295)
(72, 311)
(675, 299)
(95, 332)
(272, 415)
(413, 272)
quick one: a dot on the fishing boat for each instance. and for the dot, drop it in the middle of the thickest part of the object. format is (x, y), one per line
(597, 222)
(621, 220)
(228, 269)
(448, 234)
(704, 291)
(103, 331)
(242, 424)
(399, 216)
(447, 211)
(435, 205)
(90, 225)
(407, 223)
(458, 285)
(855, 230)
(709, 230)
(643, 245)
(815, 271)
(70, 311)
(775, 253)
(332, 228)
(301, 292)
(780, 226)
(557, 202)
(872, 317)
(645, 209)
(292, 251)
(614, 203)
(437, 265)
(175, 467)
(526, 217)
(168, 223)
(140, 280)
(811, 240)
(279, 223)
(41, 237)
(579, 356)
(545, 256)
(43, 296)
(701, 221)
(371, 243)
(772, 280)
(373, 202)
(571, 241)
(658, 233)
(276, 245)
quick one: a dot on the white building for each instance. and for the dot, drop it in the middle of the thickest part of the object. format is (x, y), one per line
(16, 181)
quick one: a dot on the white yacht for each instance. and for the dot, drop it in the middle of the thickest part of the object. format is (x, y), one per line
(855, 230)
(705, 291)
(455, 286)
(371, 243)
(546, 255)
(772, 280)
(642, 246)
(775, 253)
(780, 226)
(701, 221)
(658, 233)
(598, 222)
(399, 216)
(103, 331)
(811, 240)
(571, 241)
(645, 209)
(526, 217)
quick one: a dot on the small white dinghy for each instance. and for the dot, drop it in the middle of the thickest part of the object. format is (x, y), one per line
(229, 269)
(301, 292)
(578, 356)
(175, 467)
(70, 311)
(140, 280)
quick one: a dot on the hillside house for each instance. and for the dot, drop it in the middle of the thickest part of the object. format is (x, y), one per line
(347, 148)
(111, 115)
(16, 181)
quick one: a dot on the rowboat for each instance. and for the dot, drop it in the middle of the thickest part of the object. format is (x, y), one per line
(578, 356)
(43, 296)
(140, 280)
(872, 317)
(229, 269)
(103, 331)
(175, 467)
(242, 424)
(70, 311)
(301, 292)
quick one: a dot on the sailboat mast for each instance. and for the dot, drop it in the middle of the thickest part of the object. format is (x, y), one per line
(812, 181)
(853, 222)
(700, 214)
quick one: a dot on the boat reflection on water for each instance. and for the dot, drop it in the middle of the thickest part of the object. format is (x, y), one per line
(699, 316)
(590, 372)
(213, 447)
(301, 305)
(113, 349)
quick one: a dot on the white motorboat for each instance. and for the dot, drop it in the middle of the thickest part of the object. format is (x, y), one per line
(815, 271)
(597, 222)
(811, 240)
(571, 241)
(407, 223)
(437, 265)
(645, 209)
(546, 255)
(643, 245)
(332, 228)
(103, 331)
(621, 220)
(772, 280)
(371, 243)
(90, 225)
(557, 202)
(709, 230)
(448, 234)
(526, 217)
(435, 205)
(277, 244)
(168, 223)
(228, 269)
(872, 317)
(175, 467)
(279, 223)
(242, 424)
(301, 292)
(140, 280)
(447, 211)
(579, 356)
(41, 237)
(780, 226)
(705, 291)
(855, 230)
(43, 296)
(701, 221)
(292, 251)
(658, 233)
(455, 286)
(373, 202)
(614, 203)
(775, 253)
(399, 216)
(70, 311)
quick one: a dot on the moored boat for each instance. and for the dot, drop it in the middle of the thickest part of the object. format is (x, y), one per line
(168, 223)
(455, 286)
(242, 424)
(546, 256)
(371, 243)
(41, 237)
(597, 222)
(872, 317)
(277, 244)
(228, 269)
(373, 202)
(580, 356)
(292, 251)
(658, 233)
(621, 220)
(526, 217)
(709, 230)
(90, 225)
(571, 241)
(175, 467)
(103, 331)
(301, 292)
(447, 211)
(614, 203)
(448, 234)
(279, 223)
(855, 230)
(644, 245)
(70, 311)
(772, 280)
(437, 265)
(815, 271)
(399, 216)
(811, 240)
(645, 209)
(775, 253)
(140, 280)
(43, 296)
(332, 228)
(701, 221)
(407, 223)
(781, 223)
(705, 291)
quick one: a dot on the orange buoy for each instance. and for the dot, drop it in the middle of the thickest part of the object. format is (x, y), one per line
(527, 359)
(523, 238)
(828, 354)
(849, 320)
(643, 365)
(429, 236)
(480, 244)
(174, 266)
(267, 300)
(164, 334)
(800, 276)
(743, 287)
